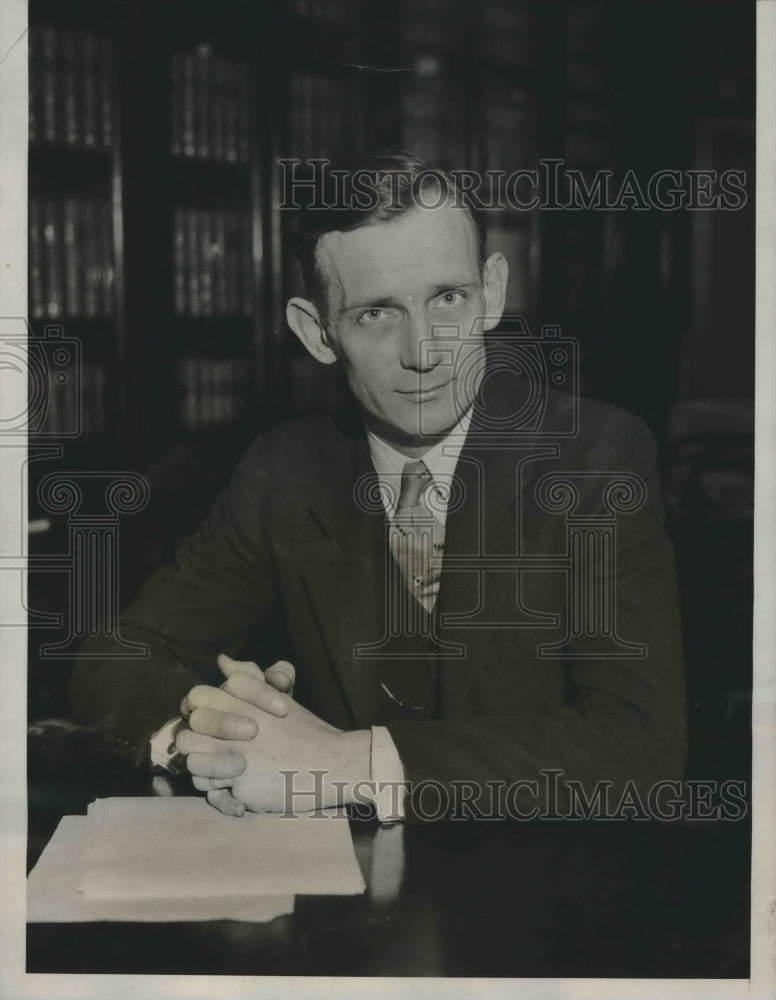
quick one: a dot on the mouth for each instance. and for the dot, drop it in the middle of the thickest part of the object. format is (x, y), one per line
(425, 393)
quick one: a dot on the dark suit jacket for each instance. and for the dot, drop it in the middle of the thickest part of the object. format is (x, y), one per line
(289, 556)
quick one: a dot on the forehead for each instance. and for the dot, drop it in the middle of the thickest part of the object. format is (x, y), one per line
(406, 256)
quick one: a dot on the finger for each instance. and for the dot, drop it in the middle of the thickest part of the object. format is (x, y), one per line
(208, 784)
(281, 676)
(228, 666)
(216, 765)
(187, 741)
(256, 692)
(223, 800)
(204, 696)
(222, 725)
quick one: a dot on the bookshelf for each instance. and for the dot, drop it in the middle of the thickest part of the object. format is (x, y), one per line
(155, 234)
(72, 240)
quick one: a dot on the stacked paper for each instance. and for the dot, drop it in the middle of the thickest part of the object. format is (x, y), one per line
(180, 859)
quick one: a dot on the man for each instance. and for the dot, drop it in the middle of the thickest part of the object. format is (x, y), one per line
(411, 561)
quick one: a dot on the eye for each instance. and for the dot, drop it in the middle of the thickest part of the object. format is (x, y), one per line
(451, 298)
(371, 316)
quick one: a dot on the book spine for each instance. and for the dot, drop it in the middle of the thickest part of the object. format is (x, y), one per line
(50, 123)
(217, 109)
(188, 397)
(176, 108)
(230, 99)
(187, 104)
(244, 104)
(91, 259)
(228, 390)
(206, 263)
(51, 238)
(72, 297)
(246, 265)
(179, 263)
(35, 236)
(69, 87)
(89, 89)
(216, 368)
(219, 263)
(231, 265)
(107, 283)
(192, 255)
(106, 56)
(202, 116)
(204, 393)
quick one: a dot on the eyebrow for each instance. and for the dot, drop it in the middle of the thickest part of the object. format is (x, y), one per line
(389, 302)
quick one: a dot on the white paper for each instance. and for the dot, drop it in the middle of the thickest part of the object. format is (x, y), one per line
(53, 896)
(147, 848)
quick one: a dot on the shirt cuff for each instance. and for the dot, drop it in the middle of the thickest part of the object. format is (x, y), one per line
(387, 770)
(162, 743)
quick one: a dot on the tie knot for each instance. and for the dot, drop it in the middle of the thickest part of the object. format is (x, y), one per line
(415, 478)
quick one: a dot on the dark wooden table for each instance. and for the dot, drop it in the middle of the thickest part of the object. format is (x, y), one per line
(500, 899)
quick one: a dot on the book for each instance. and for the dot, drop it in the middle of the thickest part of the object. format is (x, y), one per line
(52, 259)
(211, 106)
(510, 142)
(48, 73)
(37, 298)
(71, 258)
(213, 270)
(89, 83)
(106, 65)
(71, 99)
(510, 33)
(70, 104)
(213, 390)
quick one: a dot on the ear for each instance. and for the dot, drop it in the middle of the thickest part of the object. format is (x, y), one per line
(494, 282)
(304, 320)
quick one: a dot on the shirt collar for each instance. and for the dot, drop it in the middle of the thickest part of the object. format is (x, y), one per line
(441, 460)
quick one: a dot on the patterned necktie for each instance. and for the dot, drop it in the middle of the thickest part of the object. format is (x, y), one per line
(417, 537)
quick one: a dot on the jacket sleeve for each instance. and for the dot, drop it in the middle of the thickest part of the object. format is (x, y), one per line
(207, 601)
(620, 727)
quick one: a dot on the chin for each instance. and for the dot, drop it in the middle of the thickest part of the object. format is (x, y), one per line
(434, 422)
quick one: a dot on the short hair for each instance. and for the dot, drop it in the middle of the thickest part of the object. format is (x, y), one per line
(364, 191)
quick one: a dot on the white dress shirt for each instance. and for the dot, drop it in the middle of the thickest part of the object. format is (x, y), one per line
(441, 461)
(387, 772)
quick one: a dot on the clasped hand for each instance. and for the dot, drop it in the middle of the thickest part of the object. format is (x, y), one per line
(239, 740)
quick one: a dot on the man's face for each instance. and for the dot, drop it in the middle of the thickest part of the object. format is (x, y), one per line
(406, 304)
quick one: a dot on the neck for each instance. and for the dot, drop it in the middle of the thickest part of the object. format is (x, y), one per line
(405, 444)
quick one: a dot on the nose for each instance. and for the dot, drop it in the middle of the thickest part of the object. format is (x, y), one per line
(415, 345)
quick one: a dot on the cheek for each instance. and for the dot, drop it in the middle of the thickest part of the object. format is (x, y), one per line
(367, 364)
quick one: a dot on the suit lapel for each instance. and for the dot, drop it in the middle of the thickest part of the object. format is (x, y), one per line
(343, 574)
(493, 470)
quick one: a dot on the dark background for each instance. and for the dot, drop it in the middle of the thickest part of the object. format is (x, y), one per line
(179, 372)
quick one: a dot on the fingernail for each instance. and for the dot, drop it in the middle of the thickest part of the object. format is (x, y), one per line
(246, 729)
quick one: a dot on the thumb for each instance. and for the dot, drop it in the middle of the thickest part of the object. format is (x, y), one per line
(281, 675)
